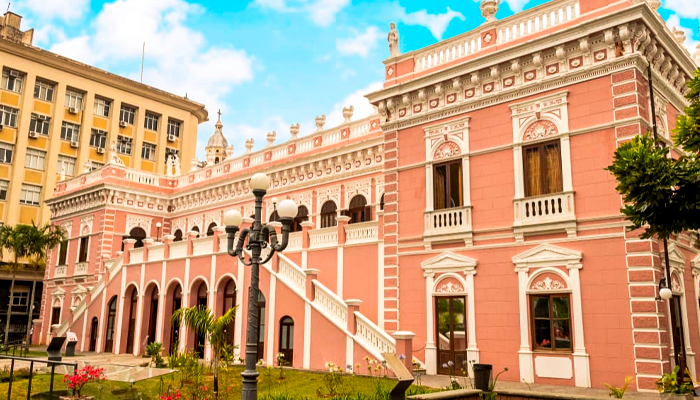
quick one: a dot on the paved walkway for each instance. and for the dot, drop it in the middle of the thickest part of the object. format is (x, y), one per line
(97, 359)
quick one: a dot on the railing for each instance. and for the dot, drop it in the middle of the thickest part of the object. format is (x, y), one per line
(77, 182)
(365, 232)
(60, 271)
(203, 245)
(448, 220)
(292, 274)
(536, 19)
(326, 237)
(156, 252)
(81, 269)
(143, 178)
(295, 241)
(543, 209)
(136, 256)
(450, 50)
(372, 336)
(178, 249)
(331, 305)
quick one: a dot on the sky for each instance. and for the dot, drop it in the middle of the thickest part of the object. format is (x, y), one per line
(265, 63)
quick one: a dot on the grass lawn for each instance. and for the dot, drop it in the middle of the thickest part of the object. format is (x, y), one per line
(293, 384)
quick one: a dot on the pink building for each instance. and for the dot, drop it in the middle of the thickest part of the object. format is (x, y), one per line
(471, 220)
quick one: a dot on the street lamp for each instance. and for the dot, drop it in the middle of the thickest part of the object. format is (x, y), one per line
(259, 236)
(158, 225)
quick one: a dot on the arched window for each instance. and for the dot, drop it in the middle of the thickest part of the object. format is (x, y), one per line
(153, 320)
(130, 335)
(261, 325)
(229, 303)
(201, 301)
(138, 234)
(328, 213)
(93, 333)
(177, 304)
(274, 217)
(302, 215)
(196, 229)
(358, 210)
(111, 316)
(210, 229)
(287, 340)
(381, 202)
(178, 235)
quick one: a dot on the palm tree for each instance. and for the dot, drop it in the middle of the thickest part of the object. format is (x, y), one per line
(202, 321)
(22, 242)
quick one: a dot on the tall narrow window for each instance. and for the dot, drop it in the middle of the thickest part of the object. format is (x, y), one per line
(83, 252)
(55, 315)
(151, 122)
(328, 213)
(358, 210)
(174, 128)
(148, 151)
(6, 150)
(302, 215)
(286, 341)
(63, 253)
(3, 189)
(551, 322)
(542, 169)
(111, 317)
(126, 114)
(8, 116)
(43, 90)
(447, 185)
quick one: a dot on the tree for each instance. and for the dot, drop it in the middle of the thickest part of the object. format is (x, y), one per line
(24, 242)
(202, 321)
(661, 191)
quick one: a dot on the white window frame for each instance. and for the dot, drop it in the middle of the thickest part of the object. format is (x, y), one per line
(102, 107)
(8, 116)
(35, 159)
(4, 188)
(4, 149)
(124, 143)
(74, 99)
(44, 90)
(127, 114)
(30, 195)
(69, 162)
(15, 297)
(151, 121)
(42, 127)
(174, 127)
(98, 133)
(148, 151)
(12, 83)
(73, 129)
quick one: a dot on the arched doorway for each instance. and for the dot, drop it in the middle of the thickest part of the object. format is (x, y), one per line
(286, 342)
(328, 213)
(93, 334)
(138, 234)
(358, 210)
(210, 229)
(111, 317)
(229, 301)
(261, 325)
(302, 215)
(173, 303)
(152, 313)
(199, 299)
(132, 303)
(178, 235)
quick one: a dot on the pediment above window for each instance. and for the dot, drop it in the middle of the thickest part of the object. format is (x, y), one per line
(449, 262)
(547, 255)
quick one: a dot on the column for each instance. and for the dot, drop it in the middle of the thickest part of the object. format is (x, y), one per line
(582, 372)
(525, 352)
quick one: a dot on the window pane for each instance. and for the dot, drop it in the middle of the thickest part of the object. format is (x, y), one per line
(552, 177)
(560, 307)
(543, 334)
(443, 314)
(562, 334)
(440, 187)
(540, 307)
(284, 336)
(455, 185)
(532, 172)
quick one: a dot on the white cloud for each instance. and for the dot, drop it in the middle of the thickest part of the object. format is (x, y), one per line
(360, 44)
(177, 58)
(436, 23)
(515, 5)
(55, 9)
(321, 12)
(690, 44)
(356, 99)
(684, 8)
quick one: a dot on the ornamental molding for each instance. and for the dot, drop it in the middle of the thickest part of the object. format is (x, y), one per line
(540, 130)
(212, 216)
(133, 221)
(676, 286)
(329, 193)
(196, 220)
(547, 255)
(450, 287)
(548, 284)
(359, 187)
(86, 225)
(449, 262)
(68, 228)
(445, 150)
(675, 257)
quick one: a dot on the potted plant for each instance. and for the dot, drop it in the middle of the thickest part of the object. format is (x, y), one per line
(671, 388)
(80, 378)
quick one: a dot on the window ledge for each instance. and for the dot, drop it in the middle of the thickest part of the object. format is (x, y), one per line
(449, 224)
(550, 213)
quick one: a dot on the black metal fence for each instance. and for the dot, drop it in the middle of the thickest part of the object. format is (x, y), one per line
(31, 362)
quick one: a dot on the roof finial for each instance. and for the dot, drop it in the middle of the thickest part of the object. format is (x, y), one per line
(218, 124)
(219, 112)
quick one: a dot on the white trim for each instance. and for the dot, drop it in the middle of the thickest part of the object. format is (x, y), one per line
(380, 285)
(349, 354)
(339, 271)
(99, 346)
(270, 341)
(185, 303)
(117, 335)
(212, 303)
(238, 328)
(306, 362)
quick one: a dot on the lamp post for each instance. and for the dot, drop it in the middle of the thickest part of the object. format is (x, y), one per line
(158, 225)
(259, 236)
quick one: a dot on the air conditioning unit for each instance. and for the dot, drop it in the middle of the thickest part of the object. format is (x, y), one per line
(122, 124)
(32, 134)
(100, 150)
(171, 138)
(73, 110)
(14, 73)
(41, 117)
(74, 144)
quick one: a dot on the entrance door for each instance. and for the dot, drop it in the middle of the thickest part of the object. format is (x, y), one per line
(287, 340)
(109, 339)
(93, 334)
(131, 332)
(677, 330)
(153, 322)
(451, 332)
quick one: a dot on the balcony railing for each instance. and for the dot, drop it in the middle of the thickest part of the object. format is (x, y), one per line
(448, 221)
(60, 271)
(325, 237)
(81, 269)
(365, 232)
(550, 208)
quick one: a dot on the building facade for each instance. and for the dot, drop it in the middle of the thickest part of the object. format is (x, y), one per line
(470, 220)
(57, 115)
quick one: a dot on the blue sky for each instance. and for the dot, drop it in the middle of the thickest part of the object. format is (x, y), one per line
(265, 63)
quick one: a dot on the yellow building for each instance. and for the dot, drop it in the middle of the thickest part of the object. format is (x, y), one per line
(59, 116)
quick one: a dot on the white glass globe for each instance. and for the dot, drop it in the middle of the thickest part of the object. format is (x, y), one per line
(260, 181)
(274, 200)
(287, 209)
(158, 225)
(232, 218)
(665, 293)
